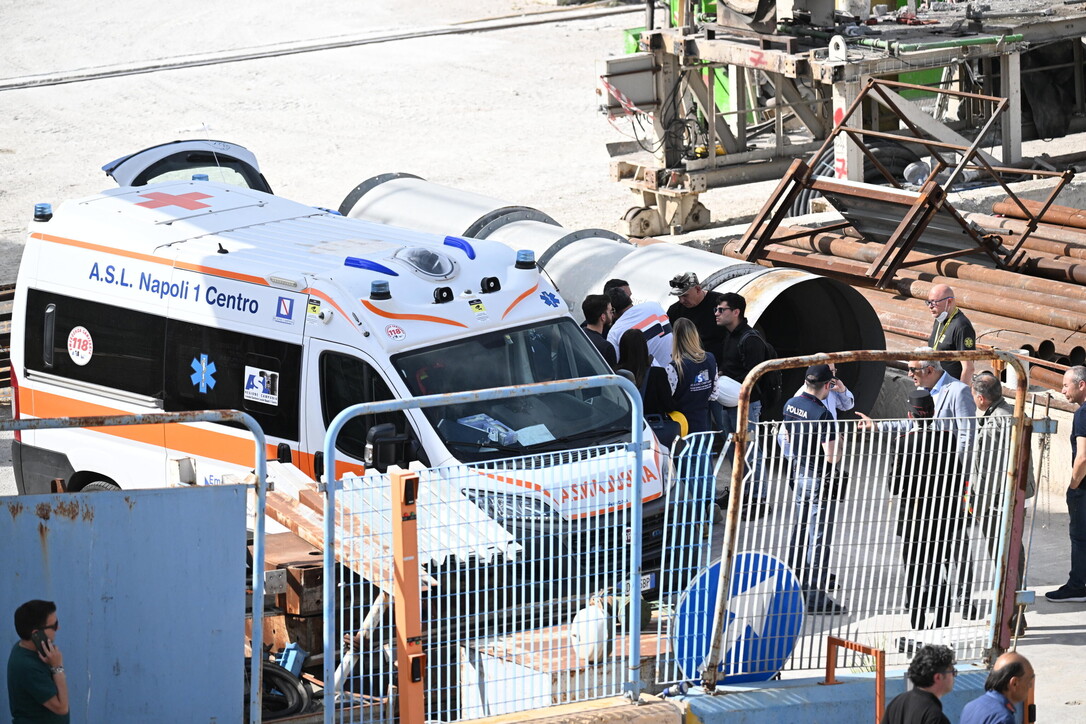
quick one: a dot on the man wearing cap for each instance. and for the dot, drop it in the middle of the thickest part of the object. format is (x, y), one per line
(697, 305)
(812, 437)
(927, 478)
(951, 330)
(647, 317)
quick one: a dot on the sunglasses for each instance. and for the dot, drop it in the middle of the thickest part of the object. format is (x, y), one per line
(932, 303)
(54, 626)
(914, 371)
(952, 671)
(721, 310)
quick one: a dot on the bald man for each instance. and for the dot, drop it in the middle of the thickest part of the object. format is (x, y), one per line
(1006, 687)
(951, 330)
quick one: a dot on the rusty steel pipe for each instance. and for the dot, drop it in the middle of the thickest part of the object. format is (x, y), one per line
(848, 248)
(1046, 238)
(1058, 270)
(1017, 334)
(1060, 215)
(1030, 311)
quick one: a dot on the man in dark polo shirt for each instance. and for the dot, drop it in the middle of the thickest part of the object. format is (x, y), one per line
(932, 673)
(598, 316)
(812, 438)
(951, 330)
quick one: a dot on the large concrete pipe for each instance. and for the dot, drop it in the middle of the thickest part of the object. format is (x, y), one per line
(799, 312)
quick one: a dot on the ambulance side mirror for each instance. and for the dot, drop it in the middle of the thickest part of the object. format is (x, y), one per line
(385, 446)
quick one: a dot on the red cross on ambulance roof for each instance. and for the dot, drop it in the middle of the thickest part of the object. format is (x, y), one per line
(189, 201)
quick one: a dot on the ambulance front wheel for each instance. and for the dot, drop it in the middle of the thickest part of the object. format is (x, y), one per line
(99, 485)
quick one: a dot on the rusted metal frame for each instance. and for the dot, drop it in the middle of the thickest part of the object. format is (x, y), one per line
(1010, 562)
(1034, 220)
(407, 610)
(926, 142)
(755, 238)
(917, 131)
(256, 679)
(875, 193)
(871, 157)
(811, 232)
(997, 112)
(903, 239)
(936, 257)
(833, 643)
(710, 673)
(831, 137)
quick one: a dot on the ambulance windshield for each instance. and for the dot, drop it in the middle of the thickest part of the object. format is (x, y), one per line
(555, 350)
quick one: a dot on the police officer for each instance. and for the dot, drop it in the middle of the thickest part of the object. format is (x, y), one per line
(812, 436)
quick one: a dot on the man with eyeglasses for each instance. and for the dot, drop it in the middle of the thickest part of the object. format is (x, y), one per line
(37, 688)
(743, 349)
(951, 330)
(932, 674)
(1008, 685)
(954, 403)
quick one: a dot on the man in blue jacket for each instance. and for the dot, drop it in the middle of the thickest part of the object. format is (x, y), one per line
(1006, 687)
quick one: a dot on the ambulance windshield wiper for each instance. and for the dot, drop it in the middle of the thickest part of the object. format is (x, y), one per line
(489, 445)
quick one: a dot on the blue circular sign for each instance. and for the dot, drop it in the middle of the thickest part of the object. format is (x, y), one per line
(763, 621)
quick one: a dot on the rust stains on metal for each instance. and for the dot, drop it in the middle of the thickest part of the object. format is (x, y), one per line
(88, 513)
(44, 511)
(67, 508)
(16, 509)
(130, 501)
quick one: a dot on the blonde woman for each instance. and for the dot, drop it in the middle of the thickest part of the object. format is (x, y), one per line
(692, 374)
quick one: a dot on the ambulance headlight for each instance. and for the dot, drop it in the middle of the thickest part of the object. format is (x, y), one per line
(509, 506)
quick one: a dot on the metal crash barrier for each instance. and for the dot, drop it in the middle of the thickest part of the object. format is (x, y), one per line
(260, 467)
(455, 602)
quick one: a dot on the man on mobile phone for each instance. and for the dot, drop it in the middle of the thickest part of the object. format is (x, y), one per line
(37, 689)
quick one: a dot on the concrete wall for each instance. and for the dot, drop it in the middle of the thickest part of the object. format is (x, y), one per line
(150, 594)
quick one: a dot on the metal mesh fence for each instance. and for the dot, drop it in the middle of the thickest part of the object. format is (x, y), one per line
(894, 546)
(520, 608)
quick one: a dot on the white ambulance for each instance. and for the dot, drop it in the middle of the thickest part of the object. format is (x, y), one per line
(190, 295)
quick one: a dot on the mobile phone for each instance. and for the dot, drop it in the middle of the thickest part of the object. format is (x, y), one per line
(39, 639)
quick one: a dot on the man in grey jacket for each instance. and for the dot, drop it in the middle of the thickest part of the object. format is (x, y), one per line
(953, 401)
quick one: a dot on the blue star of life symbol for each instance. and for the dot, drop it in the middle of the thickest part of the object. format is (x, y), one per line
(203, 373)
(549, 298)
